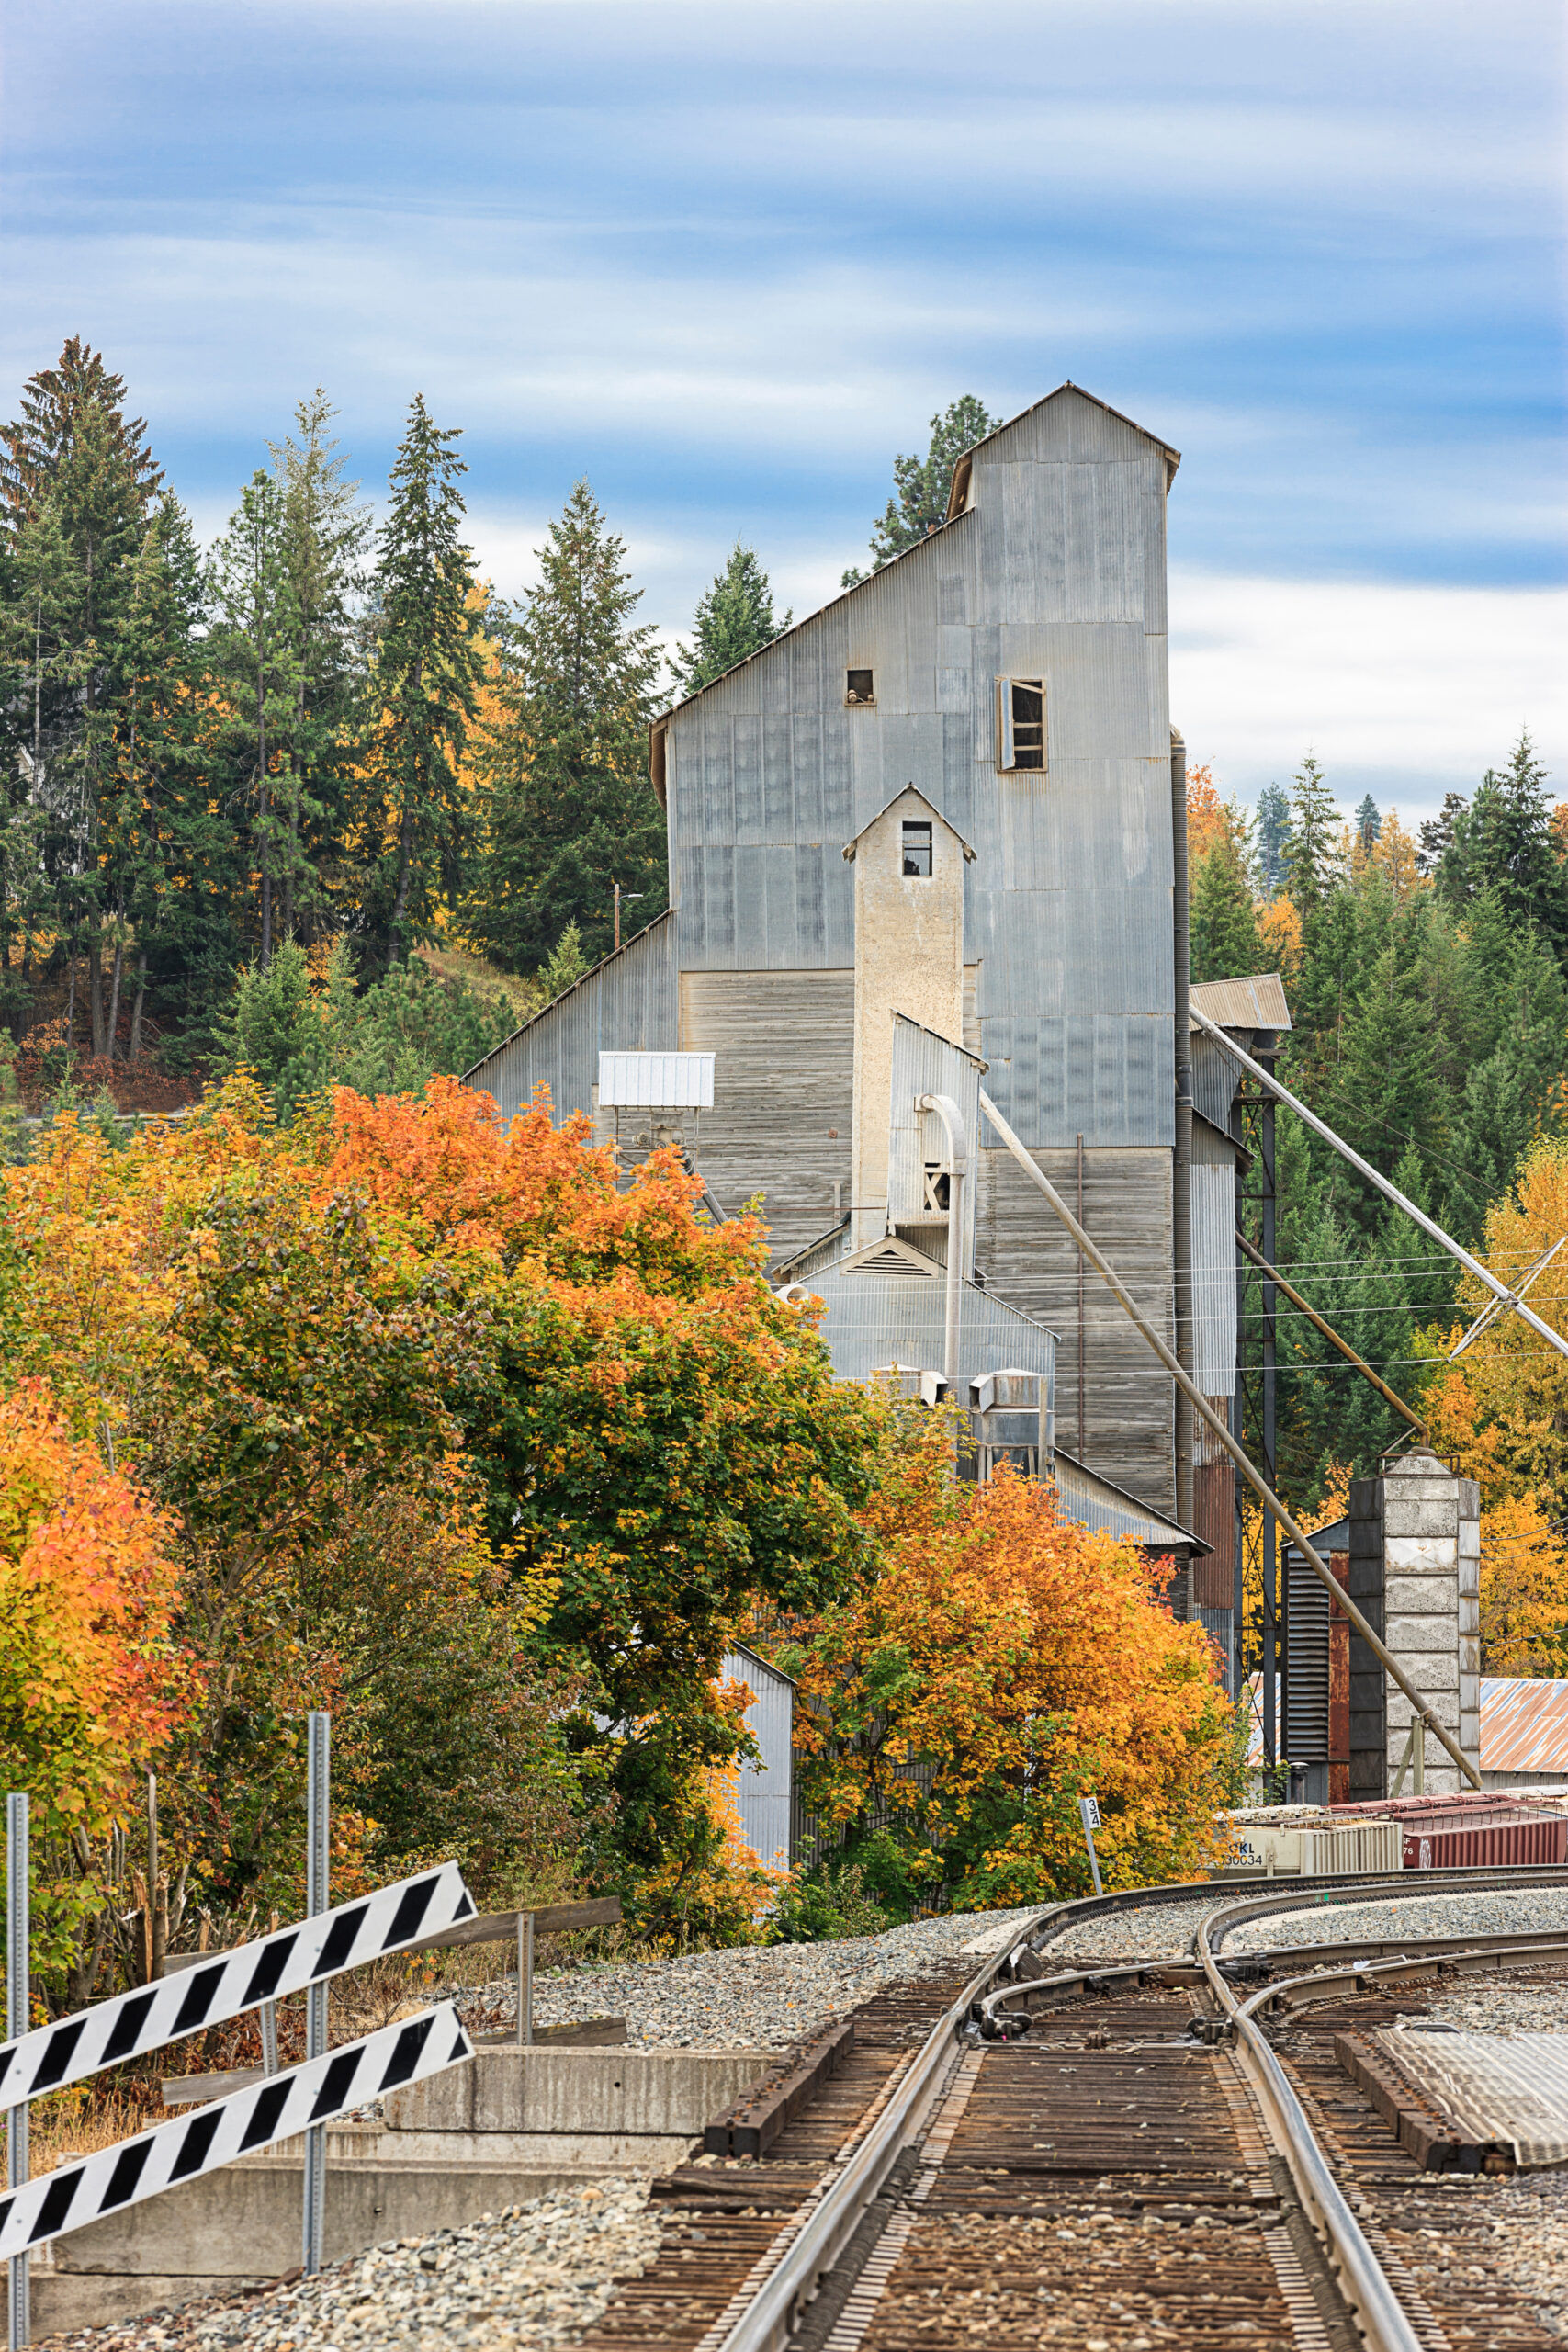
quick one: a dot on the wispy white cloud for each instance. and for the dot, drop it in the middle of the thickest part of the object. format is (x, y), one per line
(1404, 692)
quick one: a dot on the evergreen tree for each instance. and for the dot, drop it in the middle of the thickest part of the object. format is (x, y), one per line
(1224, 939)
(571, 808)
(921, 485)
(428, 669)
(734, 619)
(1503, 841)
(1368, 823)
(325, 535)
(257, 647)
(1438, 832)
(1273, 831)
(1311, 862)
(40, 446)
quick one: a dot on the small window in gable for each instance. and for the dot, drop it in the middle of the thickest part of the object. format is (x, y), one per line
(859, 686)
(917, 849)
(1021, 723)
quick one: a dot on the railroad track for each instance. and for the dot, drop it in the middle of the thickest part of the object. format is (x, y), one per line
(1119, 2157)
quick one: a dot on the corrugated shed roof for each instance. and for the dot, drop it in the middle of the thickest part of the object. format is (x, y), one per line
(1255, 1003)
(1524, 1724)
(1094, 1502)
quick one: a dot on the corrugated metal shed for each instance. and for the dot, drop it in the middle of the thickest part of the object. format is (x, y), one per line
(655, 1082)
(1257, 1002)
(1524, 1724)
(763, 1790)
(1094, 1502)
(871, 1319)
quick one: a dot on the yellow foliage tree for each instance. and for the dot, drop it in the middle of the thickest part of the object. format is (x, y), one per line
(1524, 1590)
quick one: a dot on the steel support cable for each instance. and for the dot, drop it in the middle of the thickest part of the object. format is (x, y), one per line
(1211, 1420)
(1362, 2281)
(1390, 1191)
(1329, 1333)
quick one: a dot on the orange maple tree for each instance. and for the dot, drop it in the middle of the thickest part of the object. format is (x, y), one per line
(1000, 1663)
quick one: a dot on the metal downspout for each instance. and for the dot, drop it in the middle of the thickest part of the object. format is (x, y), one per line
(952, 1118)
(1181, 1162)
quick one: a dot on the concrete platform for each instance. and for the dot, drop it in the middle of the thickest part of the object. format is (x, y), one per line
(515, 2124)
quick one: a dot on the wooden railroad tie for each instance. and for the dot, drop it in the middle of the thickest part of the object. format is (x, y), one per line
(1438, 2141)
(751, 2128)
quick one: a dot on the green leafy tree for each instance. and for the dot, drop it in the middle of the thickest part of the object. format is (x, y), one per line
(424, 686)
(570, 808)
(734, 619)
(921, 485)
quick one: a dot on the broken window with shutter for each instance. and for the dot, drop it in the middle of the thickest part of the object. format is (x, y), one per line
(1021, 723)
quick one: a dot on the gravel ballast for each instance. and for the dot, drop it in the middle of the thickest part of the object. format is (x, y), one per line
(532, 2276)
(1497, 1913)
(1149, 1931)
(756, 1997)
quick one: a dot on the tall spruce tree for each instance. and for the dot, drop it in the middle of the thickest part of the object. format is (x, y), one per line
(921, 485)
(570, 808)
(256, 649)
(1273, 831)
(1368, 823)
(325, 536)
(1226, 944)
(1504, 841)
(427, 670)
(734, 620)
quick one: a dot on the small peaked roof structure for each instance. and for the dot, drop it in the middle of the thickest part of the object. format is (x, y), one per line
(957, 497)
(903, 793)
(1099, 1502)
(1255, 1003)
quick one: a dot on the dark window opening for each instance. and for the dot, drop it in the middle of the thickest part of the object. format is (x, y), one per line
(859, 686)
(1028, 722)
(917, 849)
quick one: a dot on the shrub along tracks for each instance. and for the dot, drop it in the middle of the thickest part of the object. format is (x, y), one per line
(1164, 2157)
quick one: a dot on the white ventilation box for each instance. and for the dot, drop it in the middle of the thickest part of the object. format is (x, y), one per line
(655, 1082)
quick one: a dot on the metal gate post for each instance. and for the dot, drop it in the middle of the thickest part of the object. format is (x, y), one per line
(317, 1869)
(18, 1970)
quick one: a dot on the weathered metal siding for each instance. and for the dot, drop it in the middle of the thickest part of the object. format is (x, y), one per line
(1213, 1276)
(763, 1790)
(926, 1064)
(873, 1320)
(1057, 569)
(1027, 1257)
(1094, 1502)
(782, 1044)
(628, 1004)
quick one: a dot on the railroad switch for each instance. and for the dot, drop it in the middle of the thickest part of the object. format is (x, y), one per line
(1208, 2030)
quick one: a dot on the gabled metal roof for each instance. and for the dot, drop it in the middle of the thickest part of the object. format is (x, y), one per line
(1094, 1502)
(902, 794)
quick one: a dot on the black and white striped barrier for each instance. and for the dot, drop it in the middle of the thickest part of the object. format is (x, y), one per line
(232, 1982)
(317, 2092)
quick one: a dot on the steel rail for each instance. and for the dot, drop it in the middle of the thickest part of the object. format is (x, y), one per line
(1361, 2278)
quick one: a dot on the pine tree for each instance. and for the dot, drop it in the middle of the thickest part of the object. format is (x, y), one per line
(257, 649)
(1225, 941)
(571, 808)
(1273, 830)
(921, 484)
(734, 619)
(428, 669)
(1504, 841)
(1368, 823)
(325, 533)
(1311, 843)
(1438, 832)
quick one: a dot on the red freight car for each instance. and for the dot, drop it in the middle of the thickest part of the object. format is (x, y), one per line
(1481, 1830)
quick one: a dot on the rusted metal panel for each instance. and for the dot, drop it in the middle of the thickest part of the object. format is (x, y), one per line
(628, 1004)
(1524, 1724)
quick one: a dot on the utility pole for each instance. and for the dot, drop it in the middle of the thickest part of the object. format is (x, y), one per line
(629, 896)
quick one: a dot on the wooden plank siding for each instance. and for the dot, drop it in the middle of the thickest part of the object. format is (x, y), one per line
(1027, 1259)
(783, 1086)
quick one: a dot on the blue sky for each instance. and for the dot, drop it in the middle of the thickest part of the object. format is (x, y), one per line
(725, 261)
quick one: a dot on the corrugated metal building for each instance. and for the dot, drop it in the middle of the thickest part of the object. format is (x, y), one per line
(763, 1790)
(922, 842)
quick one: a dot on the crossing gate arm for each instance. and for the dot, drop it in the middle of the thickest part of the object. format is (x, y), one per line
(316, 2093)
(390, 1920)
